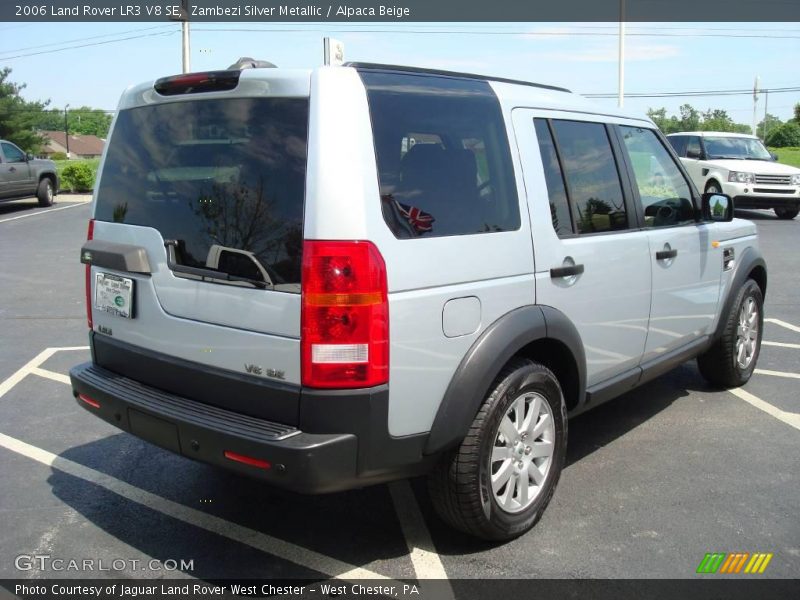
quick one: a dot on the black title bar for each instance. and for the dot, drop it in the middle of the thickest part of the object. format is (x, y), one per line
(297, 11)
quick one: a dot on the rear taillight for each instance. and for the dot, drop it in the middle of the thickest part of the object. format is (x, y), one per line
(345, 315)
(89, 236)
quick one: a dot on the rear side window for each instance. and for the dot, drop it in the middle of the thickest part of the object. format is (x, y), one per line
(591, 174)
(444, 163)
(225, 178)
(678, 143)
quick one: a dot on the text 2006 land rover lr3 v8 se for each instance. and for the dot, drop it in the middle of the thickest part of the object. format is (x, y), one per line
(333, 278)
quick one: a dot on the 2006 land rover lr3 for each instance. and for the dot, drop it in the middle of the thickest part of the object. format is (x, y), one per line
(333, 278)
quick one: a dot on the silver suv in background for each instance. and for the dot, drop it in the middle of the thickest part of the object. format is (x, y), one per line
(22, 175)
(740, 166)
(337, 277)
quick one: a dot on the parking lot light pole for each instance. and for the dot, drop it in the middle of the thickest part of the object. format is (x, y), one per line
(186, 48)
(621, 98)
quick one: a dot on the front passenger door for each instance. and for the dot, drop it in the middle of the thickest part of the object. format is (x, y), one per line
(685, 269)
(15, 171)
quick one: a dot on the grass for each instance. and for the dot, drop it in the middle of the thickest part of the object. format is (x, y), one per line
(60, 164)
(787, 156)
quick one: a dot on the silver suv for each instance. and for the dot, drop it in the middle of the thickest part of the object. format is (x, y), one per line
(333, 278)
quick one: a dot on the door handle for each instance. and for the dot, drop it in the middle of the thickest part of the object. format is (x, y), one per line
(12, 169)
(666, 254)
(569, 271)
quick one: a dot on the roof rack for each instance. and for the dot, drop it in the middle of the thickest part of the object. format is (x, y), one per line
(421, 71)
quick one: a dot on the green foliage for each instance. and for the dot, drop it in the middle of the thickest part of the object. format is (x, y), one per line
(78, 175)
(691, 119)
(58, 156)
(82, 120)
(18, 116)
(797, 113)
(787, 134)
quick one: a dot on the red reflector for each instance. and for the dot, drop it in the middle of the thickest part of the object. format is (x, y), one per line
(89, 401)
(247, 460)
(344, 336)
(210, 81)
(88, 283)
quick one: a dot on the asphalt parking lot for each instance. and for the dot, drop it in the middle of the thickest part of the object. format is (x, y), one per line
(654, 480)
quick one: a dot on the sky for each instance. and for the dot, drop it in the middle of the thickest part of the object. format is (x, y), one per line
(665, 57)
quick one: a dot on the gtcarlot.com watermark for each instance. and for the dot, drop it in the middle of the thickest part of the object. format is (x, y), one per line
(47, 562)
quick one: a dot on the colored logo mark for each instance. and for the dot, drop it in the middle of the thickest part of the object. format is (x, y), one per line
(119, 301)
(734, 562)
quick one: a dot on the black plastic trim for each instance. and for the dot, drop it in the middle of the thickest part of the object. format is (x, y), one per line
(363, 66)
(486, 357)
(766, 201)
(558, 272)
(748, 259)
(245, 394)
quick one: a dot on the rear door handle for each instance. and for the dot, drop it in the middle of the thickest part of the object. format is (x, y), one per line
(12, 169)
(569, 271)
(666, 254)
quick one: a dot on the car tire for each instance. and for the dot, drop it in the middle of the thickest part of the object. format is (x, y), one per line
(786, 213)
(45, 192)
(713, 188)
(466, 487)
(730, 362)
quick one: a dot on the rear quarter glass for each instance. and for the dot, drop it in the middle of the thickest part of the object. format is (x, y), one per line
(223, 177)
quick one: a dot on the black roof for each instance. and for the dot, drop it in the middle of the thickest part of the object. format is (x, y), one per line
(420, 71)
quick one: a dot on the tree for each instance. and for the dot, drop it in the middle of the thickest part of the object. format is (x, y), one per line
(664, 123)
(767, 124)
(786, 135)
(83, 120)
(690, 118)
(17, 115)
(797, 113)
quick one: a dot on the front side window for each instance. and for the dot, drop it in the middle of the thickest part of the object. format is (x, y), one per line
(444, 163)
(664, 193)
(693, 147)
(678, 143)
(591, 174)
(12, 153)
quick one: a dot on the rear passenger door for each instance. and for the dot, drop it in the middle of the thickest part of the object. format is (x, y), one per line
(592, 263)
(685, 277)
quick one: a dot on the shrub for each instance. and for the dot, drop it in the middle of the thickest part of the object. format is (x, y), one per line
(58, 156)
(787, 134)
(78, 177)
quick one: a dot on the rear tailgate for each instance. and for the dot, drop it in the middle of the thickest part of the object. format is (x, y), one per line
(211, 187)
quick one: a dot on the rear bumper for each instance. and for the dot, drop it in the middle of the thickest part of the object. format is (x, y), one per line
(345, 442)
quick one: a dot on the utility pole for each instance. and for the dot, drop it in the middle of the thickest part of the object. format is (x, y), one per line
(66, 128)
(186, 48)
(766, 114)
(621, 74)
(755, 104)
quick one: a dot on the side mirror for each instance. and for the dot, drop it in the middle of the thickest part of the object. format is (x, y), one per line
(695, 154)
(774, 156)
(29, 157)
(717, 207)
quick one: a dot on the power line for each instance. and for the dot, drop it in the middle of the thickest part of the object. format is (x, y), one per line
(133, 37)
(741, 92)
(95, 37)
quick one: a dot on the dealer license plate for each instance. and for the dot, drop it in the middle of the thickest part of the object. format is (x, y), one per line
(113, 294)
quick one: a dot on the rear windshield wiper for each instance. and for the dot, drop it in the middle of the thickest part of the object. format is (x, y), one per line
(172, 263)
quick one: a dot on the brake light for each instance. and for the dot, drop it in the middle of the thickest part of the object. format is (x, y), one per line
(210, 81)
(89, 236)
(345, 315)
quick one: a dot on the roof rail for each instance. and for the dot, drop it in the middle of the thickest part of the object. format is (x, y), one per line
(422, 71)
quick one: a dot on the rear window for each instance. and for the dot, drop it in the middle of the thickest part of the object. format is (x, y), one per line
(443, 158)
(225, 178)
